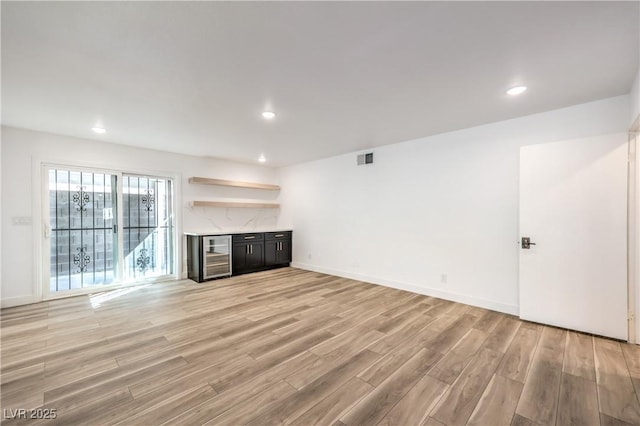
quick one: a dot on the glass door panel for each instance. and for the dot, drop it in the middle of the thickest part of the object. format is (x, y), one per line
(216, 256)
(82, 216)
(147, 227)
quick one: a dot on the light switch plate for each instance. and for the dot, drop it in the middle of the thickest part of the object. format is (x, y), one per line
(22, 220)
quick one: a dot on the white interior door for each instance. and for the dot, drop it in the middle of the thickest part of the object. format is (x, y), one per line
(573, 202)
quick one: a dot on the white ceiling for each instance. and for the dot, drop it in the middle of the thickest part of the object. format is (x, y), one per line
(193, 77)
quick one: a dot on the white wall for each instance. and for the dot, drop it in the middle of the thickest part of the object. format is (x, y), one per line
(24, 150)
(442, 205)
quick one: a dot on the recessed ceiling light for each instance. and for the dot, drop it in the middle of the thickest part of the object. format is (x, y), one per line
(99, 130)
(516, 90)
(268, 115)
(262, 158)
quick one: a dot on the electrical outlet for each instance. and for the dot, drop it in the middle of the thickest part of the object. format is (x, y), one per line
(443, 278)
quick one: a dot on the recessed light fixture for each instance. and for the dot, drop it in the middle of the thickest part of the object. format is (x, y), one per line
(516, 90)
(268, 115)
(99, 130)
(262, 158)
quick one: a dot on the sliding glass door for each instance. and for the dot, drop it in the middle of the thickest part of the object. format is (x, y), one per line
(147, 228)
(107, 228)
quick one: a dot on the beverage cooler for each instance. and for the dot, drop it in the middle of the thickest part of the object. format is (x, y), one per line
(209, 257)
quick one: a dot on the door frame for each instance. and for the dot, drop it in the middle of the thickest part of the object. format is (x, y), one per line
(41, 225)
(633, 237)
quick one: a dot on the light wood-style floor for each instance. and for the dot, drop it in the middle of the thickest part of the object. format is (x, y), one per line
(291, 346)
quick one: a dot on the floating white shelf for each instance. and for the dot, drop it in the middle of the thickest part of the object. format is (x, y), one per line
(234, 183)
(233, 204)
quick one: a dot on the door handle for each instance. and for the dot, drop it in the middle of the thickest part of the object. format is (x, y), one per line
(526, 243)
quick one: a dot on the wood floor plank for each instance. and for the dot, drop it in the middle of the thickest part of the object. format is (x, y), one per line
(323, 386)
(449, 367)
(182, 402)
(488, 321)
(632, 356)
(578, 358)
(387, 365)
(380, 401)
(616, 394)
(612, 421)
(502, 335)
(498, 403)
(519, 420)
(330, 409)
(414, 407)
(255, 405)
(327, 362)
(23, 373)
(197, 371)
(458, 403)
(578, 401)
(364, 336)
(430, 421)
(453, 333)
(112, 400)
(234, 395)
(517, 360)
(233, 377)
(470, 342)
(114, 378)
(539, 400)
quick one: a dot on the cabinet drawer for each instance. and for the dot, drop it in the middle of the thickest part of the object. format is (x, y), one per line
(240, 238)
(277, 235)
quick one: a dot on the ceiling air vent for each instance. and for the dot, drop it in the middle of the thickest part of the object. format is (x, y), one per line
(365, 158)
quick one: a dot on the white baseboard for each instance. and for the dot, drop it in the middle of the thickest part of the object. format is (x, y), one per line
(454, 297)
(17, 301)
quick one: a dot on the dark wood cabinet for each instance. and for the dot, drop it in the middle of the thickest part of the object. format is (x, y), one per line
(259, 251)
(248, 257)
(277, 248)
(213, 256)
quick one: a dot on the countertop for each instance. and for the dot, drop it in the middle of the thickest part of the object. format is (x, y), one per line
(231, 232)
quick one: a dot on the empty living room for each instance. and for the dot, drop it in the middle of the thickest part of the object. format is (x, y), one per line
(320, 213)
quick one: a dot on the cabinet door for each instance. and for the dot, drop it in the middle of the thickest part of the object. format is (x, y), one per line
(277, 252)
(271, 252)
(284, 253)
(239, 264)
(255, 255)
